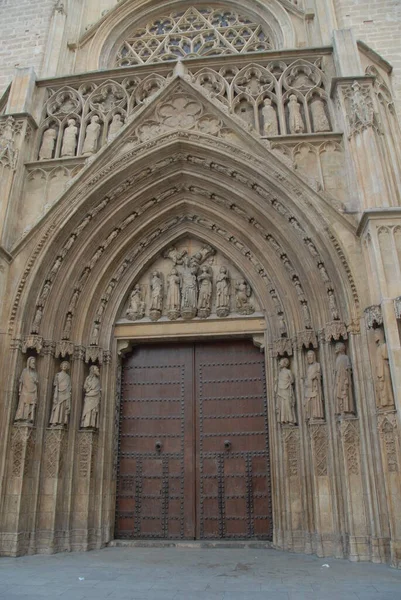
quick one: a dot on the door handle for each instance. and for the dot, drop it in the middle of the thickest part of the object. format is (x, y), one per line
(227, 445)
(158, 446)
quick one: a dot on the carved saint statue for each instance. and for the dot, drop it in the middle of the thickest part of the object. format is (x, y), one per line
(92, 137)
(70, 139)
(243, 293)
(44, 294)
(343, 392)
(90, 412)
(223, 293)
(285, 394)
(189, 298)
(61, 396)
(28, 393)
(314, 407)
(94, 341)
(115, 127)
(335, 315)
(361, 106)
(320, 122)
(156, 297)
(173, 295)
(384, 388)
(136, 309)
(295, 118)
(205, 282)
(67, 327)
(270, 122)
(46, 151)
(37, 320)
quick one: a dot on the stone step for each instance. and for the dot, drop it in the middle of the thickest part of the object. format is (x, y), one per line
(255, 544)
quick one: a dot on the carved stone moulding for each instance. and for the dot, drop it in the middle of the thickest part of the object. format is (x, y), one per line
(283, 347)
(94, 354)
(373, 316)
(306, 339)
(64, 348)
(32, 342)
(335, 331)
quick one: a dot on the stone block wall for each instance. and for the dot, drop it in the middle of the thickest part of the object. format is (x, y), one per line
(377, 23)
(24, 26)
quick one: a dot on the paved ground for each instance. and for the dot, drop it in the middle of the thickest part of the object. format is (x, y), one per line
(193, 574)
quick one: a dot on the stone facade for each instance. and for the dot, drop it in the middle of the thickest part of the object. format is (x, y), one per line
(202, 172)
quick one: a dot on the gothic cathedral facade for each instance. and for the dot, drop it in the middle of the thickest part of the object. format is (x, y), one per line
(200, 280)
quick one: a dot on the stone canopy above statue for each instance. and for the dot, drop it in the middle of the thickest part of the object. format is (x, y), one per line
(190, 280)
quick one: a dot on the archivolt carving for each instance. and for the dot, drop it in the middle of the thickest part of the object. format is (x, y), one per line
(196, 32)
(134, 180)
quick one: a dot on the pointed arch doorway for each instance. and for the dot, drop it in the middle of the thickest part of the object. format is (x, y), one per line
(194, 443)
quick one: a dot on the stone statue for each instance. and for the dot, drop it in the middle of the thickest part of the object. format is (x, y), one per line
(70, 139)
(270, 122)
(136, 309)
(44, 294)
(92, 137)
(94, 341)
(28, 393)
(242, 294)
(205, 282)
(48, 144)
(115, 127)
(285, 394)
(37, 320)
(295, 118)
(173, 295)
(361, 106)
(223, 293)
(189, 298)
(320, 122)
(335, 315)
(67, 327)
(61, 396)
(343, 392)
(314, 407)
(384, 388)
(92, 388)
(156, 298)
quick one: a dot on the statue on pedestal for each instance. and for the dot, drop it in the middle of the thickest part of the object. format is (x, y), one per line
(61, 396)
(90, 412)
(28, 393)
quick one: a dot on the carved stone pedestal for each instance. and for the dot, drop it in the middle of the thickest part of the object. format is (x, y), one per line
(82, 534)
(50, 536)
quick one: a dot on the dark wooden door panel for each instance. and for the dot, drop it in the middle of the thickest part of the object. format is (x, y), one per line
(155, 496)
(194, 457)
(232, 443)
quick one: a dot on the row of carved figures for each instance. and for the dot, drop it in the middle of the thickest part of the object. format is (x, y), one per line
(190, 294)
(296, 123)
(70, 136)
(93, 133)
(343, 387)
(62, 394)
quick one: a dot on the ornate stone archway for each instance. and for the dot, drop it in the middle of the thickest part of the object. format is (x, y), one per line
(202, 176)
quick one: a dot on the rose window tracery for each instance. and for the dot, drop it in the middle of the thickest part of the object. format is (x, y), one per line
(192, 33)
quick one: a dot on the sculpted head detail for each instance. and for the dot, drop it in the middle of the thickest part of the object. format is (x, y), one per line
(311, 357)
(340, 348)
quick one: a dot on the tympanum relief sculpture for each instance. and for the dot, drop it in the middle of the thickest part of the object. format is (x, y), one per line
(62, 391)
(92, 389)
(200, 284)
(343, 391)
(314, 407)
(285, 394)
(384, 389)
(28, 393)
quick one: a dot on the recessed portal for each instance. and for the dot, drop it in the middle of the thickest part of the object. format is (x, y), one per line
(194, 447)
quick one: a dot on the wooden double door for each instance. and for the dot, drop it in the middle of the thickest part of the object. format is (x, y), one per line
(193, 446)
